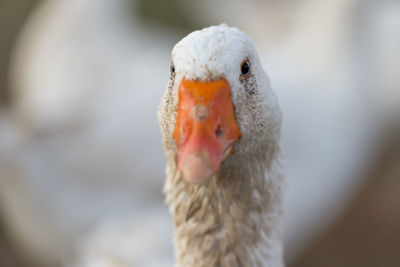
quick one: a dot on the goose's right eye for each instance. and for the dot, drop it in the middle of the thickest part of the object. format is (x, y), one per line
(172, 69)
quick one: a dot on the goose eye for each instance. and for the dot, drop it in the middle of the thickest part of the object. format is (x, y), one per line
(172, 69)
(245, 68)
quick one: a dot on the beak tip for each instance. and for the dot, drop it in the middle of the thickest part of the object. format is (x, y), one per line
(197, 168)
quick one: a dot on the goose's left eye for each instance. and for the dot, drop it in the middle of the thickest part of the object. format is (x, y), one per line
(245, 68)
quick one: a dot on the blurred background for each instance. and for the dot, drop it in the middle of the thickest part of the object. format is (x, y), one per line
(81, 162)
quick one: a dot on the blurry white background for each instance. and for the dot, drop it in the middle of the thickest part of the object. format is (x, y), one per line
(81, 163)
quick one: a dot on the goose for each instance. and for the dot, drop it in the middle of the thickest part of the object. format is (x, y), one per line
(220, 124)
(64, 42)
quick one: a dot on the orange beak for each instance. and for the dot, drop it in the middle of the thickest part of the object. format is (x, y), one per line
(205, 128)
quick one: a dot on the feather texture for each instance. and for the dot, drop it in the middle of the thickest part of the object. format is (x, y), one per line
(235, 218)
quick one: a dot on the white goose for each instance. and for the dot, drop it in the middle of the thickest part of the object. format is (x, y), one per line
(227, 212)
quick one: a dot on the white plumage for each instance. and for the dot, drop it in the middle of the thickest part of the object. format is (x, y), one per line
(234, 219)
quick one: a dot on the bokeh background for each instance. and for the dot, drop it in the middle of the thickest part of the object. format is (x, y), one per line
(81, 163)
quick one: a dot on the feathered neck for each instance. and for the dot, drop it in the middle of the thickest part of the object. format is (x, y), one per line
(233, 220)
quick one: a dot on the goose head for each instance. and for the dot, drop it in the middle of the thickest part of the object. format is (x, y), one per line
(218, 110)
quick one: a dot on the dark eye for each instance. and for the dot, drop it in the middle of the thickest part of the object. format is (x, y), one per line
(245, 68)
(172, 68)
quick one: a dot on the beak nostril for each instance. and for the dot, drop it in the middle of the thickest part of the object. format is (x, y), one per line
(219, 131)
